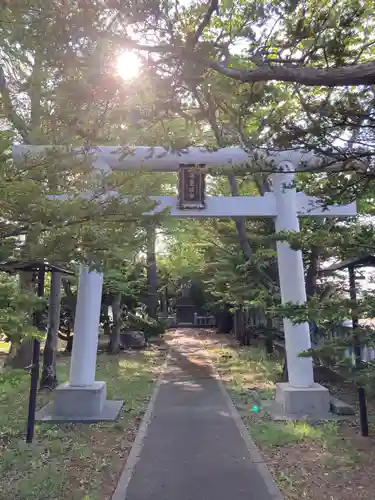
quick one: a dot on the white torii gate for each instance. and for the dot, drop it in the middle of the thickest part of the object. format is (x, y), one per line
(83, 398)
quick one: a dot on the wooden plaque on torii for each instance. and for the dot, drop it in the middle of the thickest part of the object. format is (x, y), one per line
(191, 187)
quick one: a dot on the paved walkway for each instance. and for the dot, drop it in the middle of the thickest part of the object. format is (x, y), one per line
(193, 448)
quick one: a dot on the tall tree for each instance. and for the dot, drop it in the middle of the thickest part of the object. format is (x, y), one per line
(151, 271)
(49, 377)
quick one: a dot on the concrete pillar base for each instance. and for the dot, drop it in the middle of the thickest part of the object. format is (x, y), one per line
(300, 402)
(80, 401)
(80, 404)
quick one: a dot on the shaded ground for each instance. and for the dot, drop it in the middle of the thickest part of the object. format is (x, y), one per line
(326, 461)
(73, 462)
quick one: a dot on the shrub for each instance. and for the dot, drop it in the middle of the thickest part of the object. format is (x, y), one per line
(149, 326)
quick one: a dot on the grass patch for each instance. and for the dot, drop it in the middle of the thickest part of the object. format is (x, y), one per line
(4, 347)
(75, 462)
(274, 434)
(249, 373)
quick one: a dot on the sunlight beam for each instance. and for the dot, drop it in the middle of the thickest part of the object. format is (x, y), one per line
(128, 66)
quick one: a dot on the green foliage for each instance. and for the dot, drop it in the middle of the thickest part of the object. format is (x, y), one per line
(15, 310)
(128, 278)
(59, 85)
(149, 326)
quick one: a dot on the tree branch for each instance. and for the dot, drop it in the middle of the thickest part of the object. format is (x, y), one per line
(35, 94)
(361, 74)
(213, 7)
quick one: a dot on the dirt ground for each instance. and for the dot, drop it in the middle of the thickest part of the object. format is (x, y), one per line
(310, 461)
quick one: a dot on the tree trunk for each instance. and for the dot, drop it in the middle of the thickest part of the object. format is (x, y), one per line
(240, 221)
(106, 321)
(225, 320)
(269, 336)
(69, 344)
(161, 303)
(71, 300)
(240, 326)
(22, 357)
(70, 297)
(269, 345)
(312, 272)
(152, 279)
(285, 376)
(164, 301)
(166, 298)
(49, 379)
(114, 342)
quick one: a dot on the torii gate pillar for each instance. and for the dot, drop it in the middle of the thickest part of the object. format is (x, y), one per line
(83, 399)
(301, 395)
